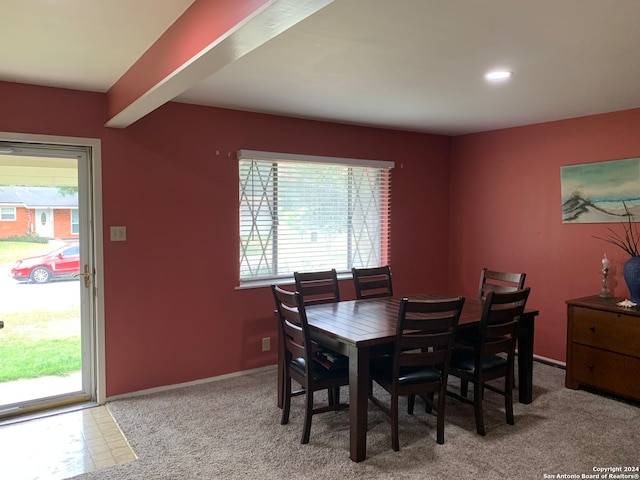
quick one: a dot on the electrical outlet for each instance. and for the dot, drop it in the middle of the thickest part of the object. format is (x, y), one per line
(266, 344)
(118, 234)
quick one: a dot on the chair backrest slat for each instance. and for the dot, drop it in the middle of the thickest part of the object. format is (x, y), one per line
(499, 322)
(425, 332)
(318, 287)
(294, 328)
(372, 282)
(500, 282)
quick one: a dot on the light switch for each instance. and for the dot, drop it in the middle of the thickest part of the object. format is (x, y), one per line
(118, 234)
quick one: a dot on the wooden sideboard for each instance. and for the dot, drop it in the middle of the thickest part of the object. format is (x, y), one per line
(603, 346)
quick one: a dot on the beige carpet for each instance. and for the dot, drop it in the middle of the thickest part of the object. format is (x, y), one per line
(231, 429)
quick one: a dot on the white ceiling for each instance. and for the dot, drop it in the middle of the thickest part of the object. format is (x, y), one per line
(415, 65)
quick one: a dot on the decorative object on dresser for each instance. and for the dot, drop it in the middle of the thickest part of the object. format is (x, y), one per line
(605, 292)
(631, 273)
(629, 242)
(603, 346)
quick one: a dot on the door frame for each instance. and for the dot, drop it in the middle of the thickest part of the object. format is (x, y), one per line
(96, 214)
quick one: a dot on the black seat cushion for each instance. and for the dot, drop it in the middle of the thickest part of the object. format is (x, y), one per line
(319, 372)
(382, 367)
(467, 363)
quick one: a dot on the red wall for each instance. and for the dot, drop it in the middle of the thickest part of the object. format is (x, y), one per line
(172, 313)
(506, 213)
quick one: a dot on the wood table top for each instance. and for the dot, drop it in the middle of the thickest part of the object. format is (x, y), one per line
(373, 321)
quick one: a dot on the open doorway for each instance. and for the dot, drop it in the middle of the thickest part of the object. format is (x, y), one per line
(50, 341)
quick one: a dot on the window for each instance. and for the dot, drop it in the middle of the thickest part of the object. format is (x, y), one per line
(75, 221)
(71, 251)
(8, 214)
(306, 213)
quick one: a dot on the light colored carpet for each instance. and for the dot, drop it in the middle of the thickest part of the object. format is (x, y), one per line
(231, 429)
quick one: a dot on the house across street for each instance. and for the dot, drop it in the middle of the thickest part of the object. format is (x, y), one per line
(48, 212)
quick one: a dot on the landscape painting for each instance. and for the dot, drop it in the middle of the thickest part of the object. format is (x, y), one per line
(598, 192)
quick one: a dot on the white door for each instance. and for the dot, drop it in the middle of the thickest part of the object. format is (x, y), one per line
(55, 316)
(44, 222)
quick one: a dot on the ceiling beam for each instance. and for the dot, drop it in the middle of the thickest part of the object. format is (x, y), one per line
(210, 35)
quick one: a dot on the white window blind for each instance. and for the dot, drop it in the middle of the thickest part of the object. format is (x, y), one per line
(307, 213)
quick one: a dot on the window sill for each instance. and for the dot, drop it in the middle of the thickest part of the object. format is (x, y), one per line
(246, 285)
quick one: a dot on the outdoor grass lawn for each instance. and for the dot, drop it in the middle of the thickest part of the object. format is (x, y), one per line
(10, 252)
(40, 343)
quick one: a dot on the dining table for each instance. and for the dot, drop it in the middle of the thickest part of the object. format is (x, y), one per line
(364, 329)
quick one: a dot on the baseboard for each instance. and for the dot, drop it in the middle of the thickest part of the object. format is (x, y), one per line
(165, 388)
(550, 361)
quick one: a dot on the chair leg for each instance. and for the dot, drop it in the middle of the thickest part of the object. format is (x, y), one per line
(464, 388)
(395, 442)
(440, 414)
(508, 398)
(411, 402)
(286, 401)
(478, 388)
(429, 402)
(308, 413)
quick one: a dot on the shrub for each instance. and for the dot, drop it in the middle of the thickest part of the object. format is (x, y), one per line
(25, 239)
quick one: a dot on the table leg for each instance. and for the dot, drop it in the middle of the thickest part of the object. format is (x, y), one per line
(358, 402)
(525, 358)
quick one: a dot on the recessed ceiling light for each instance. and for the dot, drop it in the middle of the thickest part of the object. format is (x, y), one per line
(498, 75)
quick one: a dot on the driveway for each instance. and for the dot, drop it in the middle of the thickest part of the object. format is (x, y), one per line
(19, 297)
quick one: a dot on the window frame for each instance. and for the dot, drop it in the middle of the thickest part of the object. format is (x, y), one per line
(75, 226)
(272, 188)
(2, 214)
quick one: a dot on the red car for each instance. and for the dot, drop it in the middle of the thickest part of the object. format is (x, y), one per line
(61, 263)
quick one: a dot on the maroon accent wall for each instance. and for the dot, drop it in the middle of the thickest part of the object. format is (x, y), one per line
(506, 213)
(172, 313)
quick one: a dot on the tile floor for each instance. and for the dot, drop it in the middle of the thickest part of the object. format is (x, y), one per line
(62, 445)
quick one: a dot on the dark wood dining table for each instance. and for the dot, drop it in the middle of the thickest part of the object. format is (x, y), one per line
(363, 329)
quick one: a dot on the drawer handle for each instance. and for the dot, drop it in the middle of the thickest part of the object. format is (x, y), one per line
(590, 367)
(592, 328)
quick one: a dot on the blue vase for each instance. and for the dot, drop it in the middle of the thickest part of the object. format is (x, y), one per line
(631, 273)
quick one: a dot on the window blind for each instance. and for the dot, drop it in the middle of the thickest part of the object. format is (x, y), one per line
(307, 213)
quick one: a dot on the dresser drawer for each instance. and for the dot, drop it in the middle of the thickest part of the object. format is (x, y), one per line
(608, 330)
(606, 371)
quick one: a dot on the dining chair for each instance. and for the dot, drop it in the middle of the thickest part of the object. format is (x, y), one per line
(299, 364)
(419, 365)
(318, 287)
(495, 281)
(490, 355)
(372, 282)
